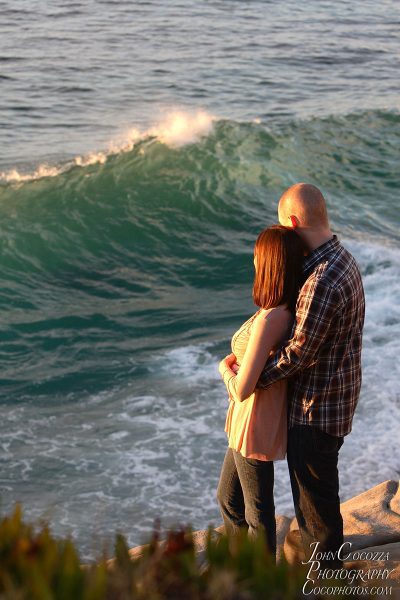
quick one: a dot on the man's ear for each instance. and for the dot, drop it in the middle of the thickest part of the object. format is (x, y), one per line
(294, 221)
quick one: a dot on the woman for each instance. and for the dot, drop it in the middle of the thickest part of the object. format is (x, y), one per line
(256, 423)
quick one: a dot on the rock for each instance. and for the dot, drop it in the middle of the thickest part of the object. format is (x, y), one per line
(293, 547)
(282, 527)
(200, 540)
(371, 518)
(200, 543)
(386, 556)
(140, 550)
(134, 553)
(392, 550)
(379, 567)
(372, 525)
(375, 559)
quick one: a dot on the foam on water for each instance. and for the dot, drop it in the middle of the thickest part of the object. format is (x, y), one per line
(370, 454)
(178, 128)
(193, 363)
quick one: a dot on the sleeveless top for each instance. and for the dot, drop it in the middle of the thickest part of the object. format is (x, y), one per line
(257, 427)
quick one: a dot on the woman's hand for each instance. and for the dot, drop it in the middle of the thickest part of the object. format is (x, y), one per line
(235, 368)
(227, 363)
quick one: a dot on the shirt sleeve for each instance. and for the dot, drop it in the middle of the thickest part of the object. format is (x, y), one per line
(317, 305)
(266, 333)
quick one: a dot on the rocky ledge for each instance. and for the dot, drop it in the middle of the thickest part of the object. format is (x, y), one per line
(371, 534)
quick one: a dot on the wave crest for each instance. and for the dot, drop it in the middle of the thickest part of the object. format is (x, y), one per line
(178, 128)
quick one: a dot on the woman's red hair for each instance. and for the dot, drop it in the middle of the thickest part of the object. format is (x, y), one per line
(279, 253)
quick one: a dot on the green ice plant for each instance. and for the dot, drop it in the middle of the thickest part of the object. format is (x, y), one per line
(34, 565)
(248, 568)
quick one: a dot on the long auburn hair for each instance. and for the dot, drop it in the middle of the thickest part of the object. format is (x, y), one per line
(279, 254)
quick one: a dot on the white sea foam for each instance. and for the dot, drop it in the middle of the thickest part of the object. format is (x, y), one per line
(370, 454)
(177, 128)
(181, 128)
(44, 170)
(192, 362)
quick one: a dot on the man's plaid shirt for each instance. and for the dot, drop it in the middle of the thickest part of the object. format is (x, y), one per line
(323, 357)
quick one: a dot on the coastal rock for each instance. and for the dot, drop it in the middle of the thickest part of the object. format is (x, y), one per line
(384, 561)
(371, 523)
(292, 547)
(282, 528)
(369, 519)
(373, 518)
(374, 566)
(386, 556)
(200, 543)
(200, 540)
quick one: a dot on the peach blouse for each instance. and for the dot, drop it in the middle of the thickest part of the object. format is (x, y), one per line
(257, 426)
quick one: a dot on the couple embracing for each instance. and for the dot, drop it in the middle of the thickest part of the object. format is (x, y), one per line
(294, 377)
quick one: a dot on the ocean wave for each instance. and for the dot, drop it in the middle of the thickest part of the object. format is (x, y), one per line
(104, 263)
(181, 190)
(177, 129)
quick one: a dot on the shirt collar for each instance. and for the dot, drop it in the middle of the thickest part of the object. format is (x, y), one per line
(319, 254)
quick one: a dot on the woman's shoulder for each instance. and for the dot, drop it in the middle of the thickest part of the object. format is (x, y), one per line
(278, 316)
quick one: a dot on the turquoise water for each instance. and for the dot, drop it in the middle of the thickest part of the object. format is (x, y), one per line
(142, 150)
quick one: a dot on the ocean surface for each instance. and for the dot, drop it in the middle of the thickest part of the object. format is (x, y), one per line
(143, 146)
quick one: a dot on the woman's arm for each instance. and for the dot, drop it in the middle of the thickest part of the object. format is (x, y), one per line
(268, 330)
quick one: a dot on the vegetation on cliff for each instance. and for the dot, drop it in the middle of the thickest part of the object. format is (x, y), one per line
(34, 565)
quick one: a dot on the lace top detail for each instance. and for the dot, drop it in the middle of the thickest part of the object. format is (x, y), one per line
(257, 427)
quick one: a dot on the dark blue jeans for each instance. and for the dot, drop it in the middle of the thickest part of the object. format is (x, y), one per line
(246, 496)
(313, 459)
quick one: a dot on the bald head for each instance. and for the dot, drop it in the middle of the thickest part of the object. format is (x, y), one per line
(306, 203)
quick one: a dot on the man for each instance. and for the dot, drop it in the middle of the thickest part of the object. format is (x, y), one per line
(323, 363)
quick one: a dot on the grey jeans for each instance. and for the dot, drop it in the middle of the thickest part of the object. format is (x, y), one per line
(246, 496)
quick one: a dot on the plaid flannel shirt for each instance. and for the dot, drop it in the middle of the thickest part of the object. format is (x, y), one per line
(323, 356)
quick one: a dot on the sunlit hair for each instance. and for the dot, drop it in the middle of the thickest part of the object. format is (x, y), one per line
(279, 254)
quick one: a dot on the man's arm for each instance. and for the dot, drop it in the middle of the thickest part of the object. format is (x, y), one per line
(266, 332)
(317, 305)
